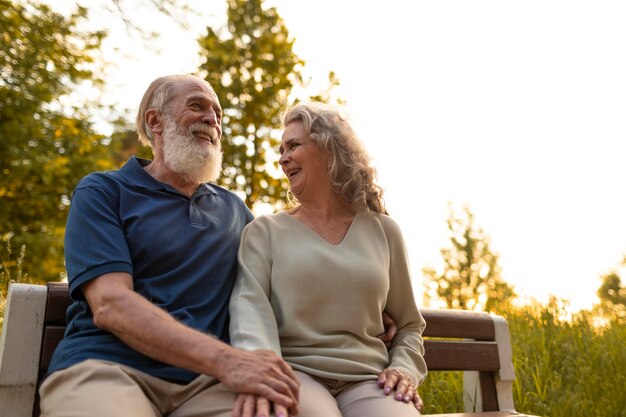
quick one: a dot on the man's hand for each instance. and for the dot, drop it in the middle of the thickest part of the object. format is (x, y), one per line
(262, 373)
(248, 405)
(391, 329)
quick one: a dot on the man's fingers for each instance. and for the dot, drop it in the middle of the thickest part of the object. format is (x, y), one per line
(281, 387)
(286, 382)
(294, 383)
(281, 371)
(390, 327)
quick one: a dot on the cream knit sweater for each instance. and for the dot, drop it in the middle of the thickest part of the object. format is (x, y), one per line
(319, 305)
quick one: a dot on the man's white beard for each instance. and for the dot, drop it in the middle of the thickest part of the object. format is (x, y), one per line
(197, 160)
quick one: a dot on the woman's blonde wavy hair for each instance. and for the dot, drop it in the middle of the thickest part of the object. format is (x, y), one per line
(350, 169)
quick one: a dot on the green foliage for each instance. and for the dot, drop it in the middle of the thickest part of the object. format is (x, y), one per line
(612, 294)
(565, 366)
(43, 151)
(125, 143)
(471, 278)
(10, 269)
(253, 69)
(612, 291)
(252, 66)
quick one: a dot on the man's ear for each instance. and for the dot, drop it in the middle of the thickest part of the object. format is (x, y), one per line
(154, 121)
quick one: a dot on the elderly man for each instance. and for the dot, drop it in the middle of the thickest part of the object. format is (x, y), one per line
(151, 255)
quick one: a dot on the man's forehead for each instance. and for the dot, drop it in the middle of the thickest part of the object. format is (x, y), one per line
(196, 88)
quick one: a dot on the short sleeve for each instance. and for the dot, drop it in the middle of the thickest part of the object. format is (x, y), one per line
(95, 242)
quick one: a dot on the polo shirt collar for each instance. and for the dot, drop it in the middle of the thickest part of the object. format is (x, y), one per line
(134, 172)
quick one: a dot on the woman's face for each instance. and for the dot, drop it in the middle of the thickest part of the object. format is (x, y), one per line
(304, 164)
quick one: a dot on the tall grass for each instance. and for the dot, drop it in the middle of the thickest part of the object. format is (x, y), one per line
(564, 367)
(571, 367)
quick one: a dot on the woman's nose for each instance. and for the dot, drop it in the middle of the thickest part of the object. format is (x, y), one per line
(283, 158)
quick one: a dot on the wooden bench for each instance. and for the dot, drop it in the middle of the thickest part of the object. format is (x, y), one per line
(477, 343)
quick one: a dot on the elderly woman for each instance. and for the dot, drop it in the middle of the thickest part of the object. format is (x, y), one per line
(314, 281)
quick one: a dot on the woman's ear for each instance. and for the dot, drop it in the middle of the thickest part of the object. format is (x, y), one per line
(154, 121)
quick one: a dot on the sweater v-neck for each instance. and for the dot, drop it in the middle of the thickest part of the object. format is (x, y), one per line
(320, 237)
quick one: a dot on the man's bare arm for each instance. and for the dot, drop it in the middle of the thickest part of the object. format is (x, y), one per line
(156, 334)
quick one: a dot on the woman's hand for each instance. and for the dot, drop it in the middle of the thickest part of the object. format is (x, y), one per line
(391, 378)
(248, 405)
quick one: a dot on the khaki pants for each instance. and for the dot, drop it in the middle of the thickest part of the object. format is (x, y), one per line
(97, 388)
(321, 397)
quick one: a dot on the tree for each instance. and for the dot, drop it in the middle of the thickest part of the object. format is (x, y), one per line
(612, 294)
(471, 277)
(44, 151)
(252, 66)
(612, 291)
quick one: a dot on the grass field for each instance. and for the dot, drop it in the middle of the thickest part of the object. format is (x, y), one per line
(564, 368)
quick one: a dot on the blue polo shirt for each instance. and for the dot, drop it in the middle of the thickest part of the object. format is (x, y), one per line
(181, 252)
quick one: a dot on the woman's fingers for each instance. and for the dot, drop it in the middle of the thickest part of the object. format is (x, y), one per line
(393, 379)
(280, 411)
(248, 405)
(244, 406)
(262, 407)
(417, 401)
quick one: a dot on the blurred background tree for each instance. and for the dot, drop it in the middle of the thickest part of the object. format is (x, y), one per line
(47, 144)
(471, 278)
(251, 64)
(612, 294)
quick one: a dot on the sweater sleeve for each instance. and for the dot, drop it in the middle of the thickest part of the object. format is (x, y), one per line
(252, 321)
(407, 350)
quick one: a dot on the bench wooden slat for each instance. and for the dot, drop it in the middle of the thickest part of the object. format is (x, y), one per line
(461, 355)
(58, 302)
(488, 391)
(462, 324)
(52, 335)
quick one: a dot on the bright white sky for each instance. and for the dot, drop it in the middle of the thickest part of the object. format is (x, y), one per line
(516, 108)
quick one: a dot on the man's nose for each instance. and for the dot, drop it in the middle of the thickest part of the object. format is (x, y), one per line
(211, 118)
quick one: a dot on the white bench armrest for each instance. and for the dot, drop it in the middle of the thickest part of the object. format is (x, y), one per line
(20, 346)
